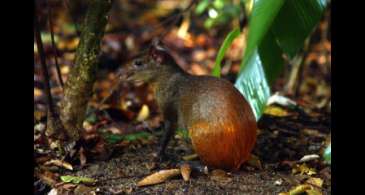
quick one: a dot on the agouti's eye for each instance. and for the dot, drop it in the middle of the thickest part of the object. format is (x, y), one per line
(138, 63)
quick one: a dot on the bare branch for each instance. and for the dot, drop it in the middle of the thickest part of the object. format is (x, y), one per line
(56, 54)
(42, 57)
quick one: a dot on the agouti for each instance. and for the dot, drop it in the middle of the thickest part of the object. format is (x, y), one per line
(220, 122)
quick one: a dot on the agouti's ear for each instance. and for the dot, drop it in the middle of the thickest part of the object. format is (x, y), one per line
(158, 52)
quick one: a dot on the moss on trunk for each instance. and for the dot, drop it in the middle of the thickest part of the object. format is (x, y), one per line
(79, 85)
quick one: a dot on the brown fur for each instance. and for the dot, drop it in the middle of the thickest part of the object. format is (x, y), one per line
(221, 124)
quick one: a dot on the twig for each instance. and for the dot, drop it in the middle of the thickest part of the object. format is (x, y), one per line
(44, 66)
(301, 68)
(296, 74)
(297, 64)
(174, 18)
(161, 25)
(165, 31)
(56, 54)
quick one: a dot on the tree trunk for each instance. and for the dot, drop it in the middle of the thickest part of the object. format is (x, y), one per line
(79, 85)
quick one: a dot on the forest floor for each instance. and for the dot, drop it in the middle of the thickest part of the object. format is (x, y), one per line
(121, 134)
(279, 138)
(281, 143)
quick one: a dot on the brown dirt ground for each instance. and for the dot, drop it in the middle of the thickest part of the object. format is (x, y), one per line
(280, 139)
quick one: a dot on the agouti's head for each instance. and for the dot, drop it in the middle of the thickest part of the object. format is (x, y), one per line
(157, 63)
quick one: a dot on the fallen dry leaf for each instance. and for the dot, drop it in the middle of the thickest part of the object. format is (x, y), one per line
(54, 144)
(185, 171)
(59, 163)
(158, 177)
(82, 189)
(66, 186)
(314, 133)
(276, 111)
(309, 157)
(315, 181)
(38, 115)
(87, 126)
(143, 114)
(281, 100)
(303, 169)
(53, 192)
(297, 190)
(37, 93)
(82, 157)
(313, 192)
(190, 157)
(303, 188)
(278, 182)
(39, 127)
(48, 177)
(206, 170)
(220, 176)
(65, 69)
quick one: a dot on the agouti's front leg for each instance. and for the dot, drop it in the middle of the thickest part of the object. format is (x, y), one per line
(170, 125)
(169, 130)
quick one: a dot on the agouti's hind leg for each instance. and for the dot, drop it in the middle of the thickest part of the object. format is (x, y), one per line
(168, 132)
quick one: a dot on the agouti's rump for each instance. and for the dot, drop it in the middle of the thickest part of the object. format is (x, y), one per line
(221, 124)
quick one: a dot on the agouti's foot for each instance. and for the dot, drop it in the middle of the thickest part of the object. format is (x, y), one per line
(158, 160)
(161, 157)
